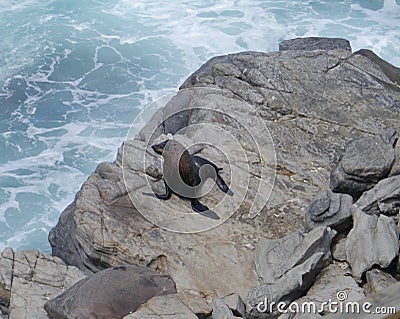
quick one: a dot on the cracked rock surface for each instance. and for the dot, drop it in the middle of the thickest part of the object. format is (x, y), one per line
(331, 280)
(28, 279)
(288, 267)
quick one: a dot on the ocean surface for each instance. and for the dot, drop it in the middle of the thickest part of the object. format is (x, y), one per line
(74, 75)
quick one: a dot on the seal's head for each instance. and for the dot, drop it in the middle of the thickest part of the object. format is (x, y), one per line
(159, 148)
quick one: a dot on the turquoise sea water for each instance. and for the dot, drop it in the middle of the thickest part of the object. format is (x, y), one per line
(74, 74)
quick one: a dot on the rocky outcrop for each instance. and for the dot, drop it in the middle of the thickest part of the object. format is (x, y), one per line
(112, 293)
(309, 124)
(29, 278)
(374, 240)
(276, 123)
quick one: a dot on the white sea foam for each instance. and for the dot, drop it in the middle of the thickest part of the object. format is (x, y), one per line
(75, 74)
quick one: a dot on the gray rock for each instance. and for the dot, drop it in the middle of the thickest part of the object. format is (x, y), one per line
(220, 310)
(329, 209)
(275, 257)
(339, 250)
(364, 162)
(309, 124)
(373, 240)
(6, 272)
(197, 304)
(236, 304)
(29, 278)
(377, 280)
(333, 283)
(381, 305)
(110, 293)
(383, 198)
(163, 307)
(396, 165)
(309, 44)
(4, 312)
(288, 267)
(390, 70)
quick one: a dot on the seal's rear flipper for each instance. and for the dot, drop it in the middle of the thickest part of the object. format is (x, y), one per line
(200, 161)
(203, 209)
(222, 185)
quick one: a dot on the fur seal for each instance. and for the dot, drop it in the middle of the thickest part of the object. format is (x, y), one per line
(189, 169)
(111, 293)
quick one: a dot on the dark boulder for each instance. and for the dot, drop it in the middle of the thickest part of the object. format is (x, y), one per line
(110, 294)
(329, 209)
(364, 162)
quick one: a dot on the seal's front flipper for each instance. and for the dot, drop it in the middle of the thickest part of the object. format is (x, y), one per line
(222, 185)
(167, 194)
(203, 209)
